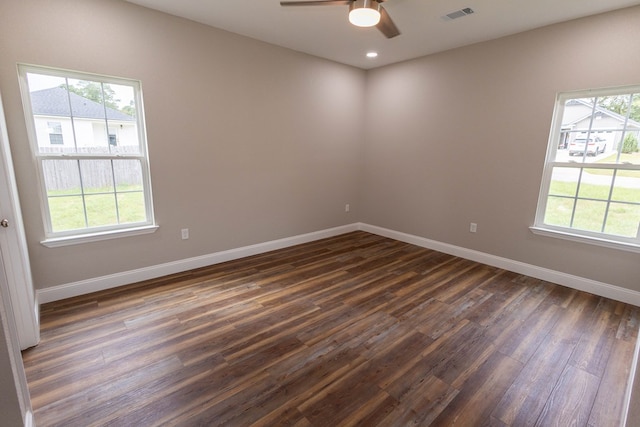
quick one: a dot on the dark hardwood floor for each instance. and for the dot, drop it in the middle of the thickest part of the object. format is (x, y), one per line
(352, 330)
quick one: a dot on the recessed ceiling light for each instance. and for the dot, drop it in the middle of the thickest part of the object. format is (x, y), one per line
(372, 54)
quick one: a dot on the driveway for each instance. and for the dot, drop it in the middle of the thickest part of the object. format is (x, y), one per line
(565, 174)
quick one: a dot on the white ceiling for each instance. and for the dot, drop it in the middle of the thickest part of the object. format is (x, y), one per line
(324, 31)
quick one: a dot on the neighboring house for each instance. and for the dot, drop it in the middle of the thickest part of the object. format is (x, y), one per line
(54, 109)
(607, 126)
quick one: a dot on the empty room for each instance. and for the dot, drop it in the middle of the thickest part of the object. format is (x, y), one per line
(261, 213)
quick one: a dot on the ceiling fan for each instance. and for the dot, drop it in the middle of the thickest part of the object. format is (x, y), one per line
(362, 13)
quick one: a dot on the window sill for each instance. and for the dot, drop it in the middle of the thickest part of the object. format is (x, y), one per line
(607, 243)
(96, 237)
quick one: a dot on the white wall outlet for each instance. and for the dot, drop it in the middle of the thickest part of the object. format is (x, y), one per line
(185, 233)
(347, 208)
(473, 227)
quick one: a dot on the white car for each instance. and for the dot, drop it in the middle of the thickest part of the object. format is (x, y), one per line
(595, 146)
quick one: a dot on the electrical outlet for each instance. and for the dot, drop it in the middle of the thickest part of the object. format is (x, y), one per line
(185, 233)
(473, 227)
(347, 208)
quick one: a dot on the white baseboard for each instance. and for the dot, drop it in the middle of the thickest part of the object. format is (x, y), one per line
(575, 282)
(56, 293)
(82, 287)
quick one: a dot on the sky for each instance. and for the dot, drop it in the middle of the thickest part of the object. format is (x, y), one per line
(40, 81)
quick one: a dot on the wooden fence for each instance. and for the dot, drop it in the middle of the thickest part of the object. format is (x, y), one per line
(69, 174)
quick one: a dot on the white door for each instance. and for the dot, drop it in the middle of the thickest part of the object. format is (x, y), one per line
(15, 404)
(13, 246)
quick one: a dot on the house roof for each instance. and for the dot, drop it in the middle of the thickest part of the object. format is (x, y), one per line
(56, 101)
(599, 109)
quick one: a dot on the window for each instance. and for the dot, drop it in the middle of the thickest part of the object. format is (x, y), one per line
(591, 182)
(55, 133)
(94, 184)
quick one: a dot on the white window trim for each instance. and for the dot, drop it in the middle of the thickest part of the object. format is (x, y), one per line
(575, 235)
(94, 234)
(594, 240)
(96, 237)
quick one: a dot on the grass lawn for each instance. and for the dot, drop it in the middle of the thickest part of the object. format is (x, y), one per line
(68, 209)
(622, 218)
(593, 191)
(632, 158)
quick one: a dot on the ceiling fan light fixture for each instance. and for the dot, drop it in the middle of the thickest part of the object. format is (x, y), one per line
(364, 13)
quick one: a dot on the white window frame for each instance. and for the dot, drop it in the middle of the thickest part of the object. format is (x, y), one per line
(631, 244)
(90, 234)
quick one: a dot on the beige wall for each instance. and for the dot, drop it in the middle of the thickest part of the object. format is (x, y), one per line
(248, 142)
(464, 133)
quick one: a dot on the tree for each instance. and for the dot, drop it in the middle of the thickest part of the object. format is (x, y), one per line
(630, 144)
(620, 104)
(129, 109)
(95, 92)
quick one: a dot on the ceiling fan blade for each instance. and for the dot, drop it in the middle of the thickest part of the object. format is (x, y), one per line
(386, 25)
(317, 3)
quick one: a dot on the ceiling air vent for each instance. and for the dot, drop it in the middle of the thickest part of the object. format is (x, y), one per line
(457, 14)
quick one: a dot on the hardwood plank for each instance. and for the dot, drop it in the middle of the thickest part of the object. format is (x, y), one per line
(593, 350)
(475, 402)
(607, 408)
(521, 338)
(525, 399)
(571, 401)
(424, 396)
